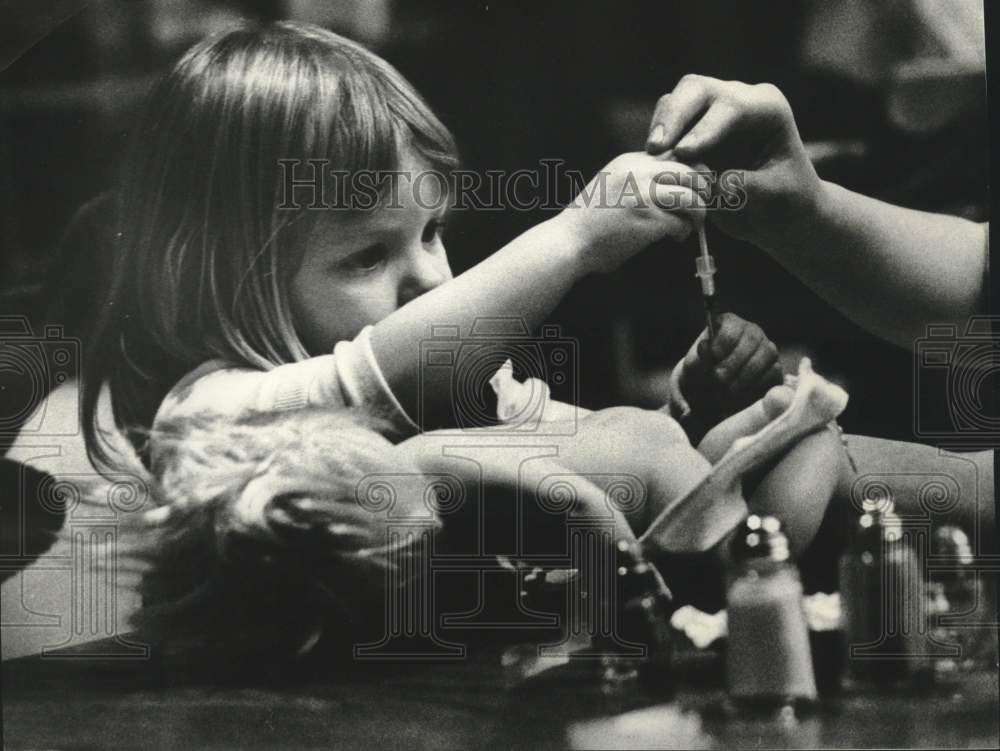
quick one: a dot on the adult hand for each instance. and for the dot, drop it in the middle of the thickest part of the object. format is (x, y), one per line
(750, 129)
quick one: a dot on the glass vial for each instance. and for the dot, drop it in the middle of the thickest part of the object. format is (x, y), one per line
(643, 616)
(958, 599)
(884, 599)
(768, 657)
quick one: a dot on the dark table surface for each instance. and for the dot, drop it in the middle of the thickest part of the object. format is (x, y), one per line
(64, 702)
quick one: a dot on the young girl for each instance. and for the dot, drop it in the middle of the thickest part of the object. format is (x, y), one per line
(229, 309)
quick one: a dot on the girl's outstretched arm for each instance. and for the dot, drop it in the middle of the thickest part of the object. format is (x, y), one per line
(520, 283)
(632, 203)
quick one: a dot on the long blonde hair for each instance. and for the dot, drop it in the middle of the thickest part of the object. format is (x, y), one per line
(273, 530)
(205, 253)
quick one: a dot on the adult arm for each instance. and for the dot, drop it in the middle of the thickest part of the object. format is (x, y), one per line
(891, 270)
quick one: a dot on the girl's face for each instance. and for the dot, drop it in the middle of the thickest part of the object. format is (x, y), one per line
(357, 269)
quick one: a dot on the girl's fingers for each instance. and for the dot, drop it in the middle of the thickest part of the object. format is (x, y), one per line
(729, 333)
(715, 125)
(677, 110)
(726, 370)
(752, 372)
(704, 350)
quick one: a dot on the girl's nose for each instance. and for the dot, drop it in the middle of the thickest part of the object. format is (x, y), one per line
(426, 272)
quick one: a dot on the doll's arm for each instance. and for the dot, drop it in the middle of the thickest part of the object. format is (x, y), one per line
(487, 463)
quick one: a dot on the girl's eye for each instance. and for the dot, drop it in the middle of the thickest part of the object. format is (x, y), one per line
(368, 259)
(432, 231)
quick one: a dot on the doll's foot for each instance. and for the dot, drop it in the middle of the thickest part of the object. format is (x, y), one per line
(776, 401)
(815, 402)
(705, 514)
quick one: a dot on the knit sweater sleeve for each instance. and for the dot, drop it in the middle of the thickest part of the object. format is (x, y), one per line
(349, 377)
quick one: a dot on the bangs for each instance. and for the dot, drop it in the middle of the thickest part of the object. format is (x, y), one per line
(363, 115)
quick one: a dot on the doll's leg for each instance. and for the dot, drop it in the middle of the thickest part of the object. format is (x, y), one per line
(807, 489)
(697, 521)
(719, 439)
(636, 447)
(799, 486)
(925, 482)
(927, 485)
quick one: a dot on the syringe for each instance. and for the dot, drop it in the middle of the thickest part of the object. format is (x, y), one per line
(705, 271)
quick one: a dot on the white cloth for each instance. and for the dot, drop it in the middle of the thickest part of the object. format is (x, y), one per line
(529, 402)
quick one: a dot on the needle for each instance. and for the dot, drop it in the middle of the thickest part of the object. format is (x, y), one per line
(705, 271)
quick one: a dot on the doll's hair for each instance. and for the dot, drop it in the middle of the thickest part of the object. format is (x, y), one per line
(273, 531)
(205, 248)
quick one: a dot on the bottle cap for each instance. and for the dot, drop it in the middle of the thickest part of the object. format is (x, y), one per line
(760, 537)
(878, 522)
(879, 504)
(951, 541)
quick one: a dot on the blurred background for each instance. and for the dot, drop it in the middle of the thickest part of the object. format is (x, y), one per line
(889, 95)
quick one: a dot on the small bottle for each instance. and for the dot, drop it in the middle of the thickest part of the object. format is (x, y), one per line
(643, 616)
(884, 599)
(959, 595)
(768, 657)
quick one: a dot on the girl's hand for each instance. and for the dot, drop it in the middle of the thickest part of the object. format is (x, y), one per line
(634, 201)
(731, 371)
(730, 125)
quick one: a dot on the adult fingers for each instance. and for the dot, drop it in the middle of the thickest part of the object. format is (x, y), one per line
(717, 123)
(670, 156)
(676, 111)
